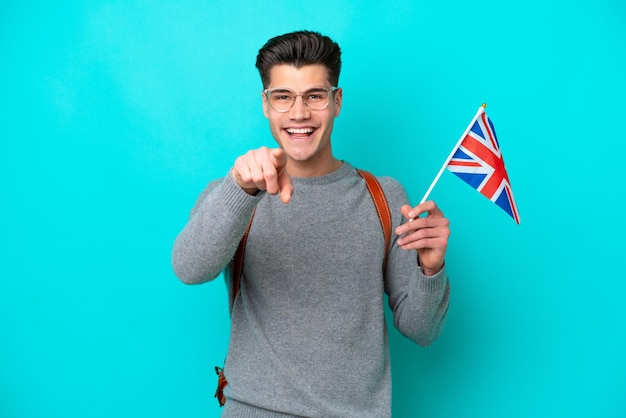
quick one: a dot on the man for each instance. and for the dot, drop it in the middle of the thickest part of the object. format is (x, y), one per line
(308, 334)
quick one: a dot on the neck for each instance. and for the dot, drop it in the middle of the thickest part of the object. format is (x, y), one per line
(312, 169)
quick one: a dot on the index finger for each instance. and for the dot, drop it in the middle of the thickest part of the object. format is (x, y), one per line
(280, 159)
(285, 184)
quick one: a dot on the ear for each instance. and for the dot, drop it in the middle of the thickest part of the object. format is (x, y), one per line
(264, 104)
(338, 99)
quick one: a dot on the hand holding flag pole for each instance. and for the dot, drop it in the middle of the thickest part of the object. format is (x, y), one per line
(477, 160)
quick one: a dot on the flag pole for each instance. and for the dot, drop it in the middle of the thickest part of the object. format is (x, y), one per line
(480, 111)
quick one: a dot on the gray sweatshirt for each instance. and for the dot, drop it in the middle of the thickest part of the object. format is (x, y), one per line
(308, 332)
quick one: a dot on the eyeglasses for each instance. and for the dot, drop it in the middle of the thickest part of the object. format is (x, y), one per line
(282, 99)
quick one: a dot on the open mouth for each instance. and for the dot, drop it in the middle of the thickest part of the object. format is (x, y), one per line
(300, 133)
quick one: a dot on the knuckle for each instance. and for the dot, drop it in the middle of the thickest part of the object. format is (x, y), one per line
(257, 177)
(271, 174)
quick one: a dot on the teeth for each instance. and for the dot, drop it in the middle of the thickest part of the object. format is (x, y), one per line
(300, 130)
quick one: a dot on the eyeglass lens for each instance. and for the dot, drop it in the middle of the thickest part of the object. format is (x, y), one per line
(283, 99)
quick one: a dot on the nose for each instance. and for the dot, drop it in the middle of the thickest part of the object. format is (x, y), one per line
(299, 110)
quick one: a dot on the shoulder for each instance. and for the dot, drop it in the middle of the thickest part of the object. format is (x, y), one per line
(394, 191)
(390, 184)
(392, 188)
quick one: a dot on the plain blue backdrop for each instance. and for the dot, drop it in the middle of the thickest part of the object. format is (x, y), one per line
(115, 114)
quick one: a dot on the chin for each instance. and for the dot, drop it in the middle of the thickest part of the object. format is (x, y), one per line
(300, 151)
(299, 157)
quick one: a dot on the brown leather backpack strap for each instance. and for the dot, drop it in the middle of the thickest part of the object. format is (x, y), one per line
(235, 277)
(382, 207)
(221, 384)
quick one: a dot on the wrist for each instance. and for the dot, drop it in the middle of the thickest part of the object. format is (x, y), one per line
(252, 191)
(431, 271)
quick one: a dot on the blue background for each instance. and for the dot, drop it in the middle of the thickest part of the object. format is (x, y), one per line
(115, 114)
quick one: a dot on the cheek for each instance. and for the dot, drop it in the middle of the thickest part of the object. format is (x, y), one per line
(274, 126)
(331, 120)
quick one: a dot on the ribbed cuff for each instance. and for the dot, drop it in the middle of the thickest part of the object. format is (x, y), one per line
(433, 283)
(237, 200)
(234, 409)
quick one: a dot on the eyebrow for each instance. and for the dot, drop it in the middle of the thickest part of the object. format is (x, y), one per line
(285, 89)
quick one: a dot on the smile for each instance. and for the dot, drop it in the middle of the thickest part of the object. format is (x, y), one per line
(299, 131)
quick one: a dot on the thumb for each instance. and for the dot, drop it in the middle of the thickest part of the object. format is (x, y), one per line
(405, 209)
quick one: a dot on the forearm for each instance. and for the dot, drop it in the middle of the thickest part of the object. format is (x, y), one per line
(421, 312)
(210, 238)
(419, 302)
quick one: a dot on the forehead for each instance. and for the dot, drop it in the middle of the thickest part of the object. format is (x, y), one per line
(298, 79)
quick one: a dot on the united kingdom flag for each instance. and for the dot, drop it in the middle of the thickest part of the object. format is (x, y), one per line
(478, 161)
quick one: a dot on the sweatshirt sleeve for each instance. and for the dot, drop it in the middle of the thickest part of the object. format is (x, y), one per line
(210, 238)
(419, 303)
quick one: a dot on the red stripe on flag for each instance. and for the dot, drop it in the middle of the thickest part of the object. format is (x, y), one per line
(488, 127)
(495, 162)
(465, 163)
(509, 196)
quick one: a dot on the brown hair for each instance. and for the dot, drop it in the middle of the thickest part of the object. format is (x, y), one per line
(299, 49)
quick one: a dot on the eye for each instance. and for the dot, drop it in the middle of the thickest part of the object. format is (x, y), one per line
(281, 97)
(316, 96)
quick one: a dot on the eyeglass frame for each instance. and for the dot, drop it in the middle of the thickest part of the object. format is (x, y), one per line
(329, 90)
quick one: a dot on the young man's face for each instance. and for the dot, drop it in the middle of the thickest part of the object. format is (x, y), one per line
(302, 132)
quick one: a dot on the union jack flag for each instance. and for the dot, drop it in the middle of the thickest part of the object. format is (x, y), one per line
(478, 161)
